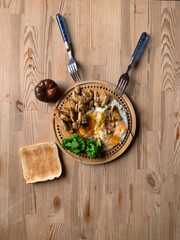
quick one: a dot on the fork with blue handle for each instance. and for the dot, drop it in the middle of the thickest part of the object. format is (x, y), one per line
(124, 78)
(72, 66)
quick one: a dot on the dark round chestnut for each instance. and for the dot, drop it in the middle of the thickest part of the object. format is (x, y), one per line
(47, 91)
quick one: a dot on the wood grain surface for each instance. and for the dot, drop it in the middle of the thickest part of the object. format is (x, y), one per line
(134, 197)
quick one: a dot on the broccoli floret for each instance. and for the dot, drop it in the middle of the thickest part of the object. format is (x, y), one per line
(93, 149)
(74, 144)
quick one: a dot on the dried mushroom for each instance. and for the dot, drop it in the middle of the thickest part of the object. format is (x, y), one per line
(105, 100)
(113, 124)
(79, 117)
(66, 111)
(97, 104)
(76, 107)
(91, 103)
(57, 111)
(72, 115)
(75, 125)
(57, 118)
(84, 119)
(64, 125)
(96, 96)
(96, 99)
(77, 90)
(78, 98)
(72, 104)
(88, 95)
(64, 117)
(70, 127)
(115, 113)
(112, 118)
(81, 107)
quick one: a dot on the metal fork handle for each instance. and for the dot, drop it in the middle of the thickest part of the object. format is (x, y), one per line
(63, 28)
(64, 32)
(138, 50)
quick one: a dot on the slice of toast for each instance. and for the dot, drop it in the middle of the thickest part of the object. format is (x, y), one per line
(40, 162)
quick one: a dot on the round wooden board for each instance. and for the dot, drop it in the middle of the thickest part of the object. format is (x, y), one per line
(117, 150)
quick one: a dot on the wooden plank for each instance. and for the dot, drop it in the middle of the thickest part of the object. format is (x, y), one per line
(39, 223)
(16, 73)
(154, 228)
(17, 7)
(5, 54)
(176, 207)
(167, 226)
(153, 174)
(5, 3)
(177, 131)
(167, 147)
(167, 48)
(4, 163)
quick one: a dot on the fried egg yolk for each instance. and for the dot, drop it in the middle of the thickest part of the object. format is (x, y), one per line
(87, 129)
(94, 128)
(113, 141)
(120, 128)
(92, 115)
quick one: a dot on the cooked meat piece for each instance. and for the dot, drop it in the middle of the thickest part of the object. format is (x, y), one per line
(76, 107)
(64, 125)
(78, 98)
(57, 111)
(85, 94)
(97, 104)
(109, 131)
(107, 118)
(82, 99)
(115, 113)
(112, 118)
(91, 103)
(77, 90)
(91, 94)
(64, 117)
(105, 100)
(79, 117)
(113, 124)
(88, 95)
(72, 116)
(82, 107)
(72, 104)
(66, 111)
(75, 125)
(84, 119)
(70, 127)
(74, 96)
(96, 96)
(58, 119)
(96, 99)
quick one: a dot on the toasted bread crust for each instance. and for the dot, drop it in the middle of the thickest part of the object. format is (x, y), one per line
(40, 162)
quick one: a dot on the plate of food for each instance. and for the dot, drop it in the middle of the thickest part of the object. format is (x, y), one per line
(92, 124)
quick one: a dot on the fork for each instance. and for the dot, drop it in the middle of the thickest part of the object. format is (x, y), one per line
(124, 78)
(72, 66)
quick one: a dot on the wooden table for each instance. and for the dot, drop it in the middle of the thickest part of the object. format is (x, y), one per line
(134, 197)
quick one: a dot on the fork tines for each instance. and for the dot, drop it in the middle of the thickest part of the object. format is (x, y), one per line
(121, 86)
(74, 73)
